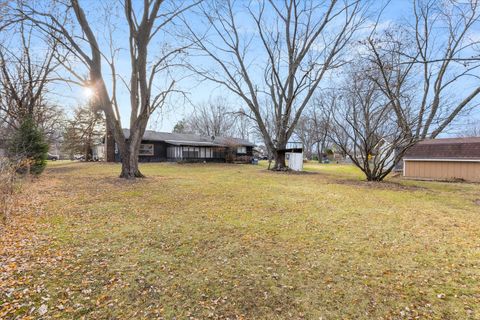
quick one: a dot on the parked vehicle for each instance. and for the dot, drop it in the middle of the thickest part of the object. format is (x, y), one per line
(53, 157)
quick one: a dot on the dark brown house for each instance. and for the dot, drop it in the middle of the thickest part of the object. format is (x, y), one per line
(444, 159)
(176, 147)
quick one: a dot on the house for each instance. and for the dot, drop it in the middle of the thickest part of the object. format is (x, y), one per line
(176, 147)
(444, 159)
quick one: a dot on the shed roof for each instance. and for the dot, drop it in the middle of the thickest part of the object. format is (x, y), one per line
(190, 139)
(449, 148)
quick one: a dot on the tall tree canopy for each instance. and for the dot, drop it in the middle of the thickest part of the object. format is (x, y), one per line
(89, 37)
(275, 66)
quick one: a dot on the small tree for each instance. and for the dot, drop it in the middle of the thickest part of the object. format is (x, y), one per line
(28, 145)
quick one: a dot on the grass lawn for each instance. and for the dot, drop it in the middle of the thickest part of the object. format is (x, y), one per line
(239, 242)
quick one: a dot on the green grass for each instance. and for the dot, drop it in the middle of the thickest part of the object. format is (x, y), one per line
(236, 241)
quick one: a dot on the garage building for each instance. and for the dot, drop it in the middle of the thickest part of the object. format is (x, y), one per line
(444, 159)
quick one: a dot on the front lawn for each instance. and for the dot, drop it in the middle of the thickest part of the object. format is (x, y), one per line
(239, 242)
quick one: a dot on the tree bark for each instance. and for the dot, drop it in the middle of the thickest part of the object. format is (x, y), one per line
(130, 162)
(319, 152)
(280, 164)
(109, 144)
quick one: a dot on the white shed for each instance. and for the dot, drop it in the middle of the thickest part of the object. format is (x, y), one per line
(294, 154)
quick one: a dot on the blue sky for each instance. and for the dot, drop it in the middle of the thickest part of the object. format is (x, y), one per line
(197, 92)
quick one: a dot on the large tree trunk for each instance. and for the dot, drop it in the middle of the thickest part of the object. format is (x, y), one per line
(319, 152)
(130, 162)
(109, 144)
(279, 156)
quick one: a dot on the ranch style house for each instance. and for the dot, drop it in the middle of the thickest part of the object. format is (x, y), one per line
(179, 147)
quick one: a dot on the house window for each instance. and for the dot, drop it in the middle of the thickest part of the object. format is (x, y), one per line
(242, 150)
(146, 150)
(190, 152)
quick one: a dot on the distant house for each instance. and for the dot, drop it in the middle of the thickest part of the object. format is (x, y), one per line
(176, 147)
(444, 159)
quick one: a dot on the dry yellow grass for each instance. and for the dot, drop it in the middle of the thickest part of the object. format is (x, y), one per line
(238, 242)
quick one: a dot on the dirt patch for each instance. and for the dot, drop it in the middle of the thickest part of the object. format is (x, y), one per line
(291, 172)
(384, 185)
(477, 202)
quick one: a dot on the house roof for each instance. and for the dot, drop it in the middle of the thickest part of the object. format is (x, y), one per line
(450, 148)
(190, 139)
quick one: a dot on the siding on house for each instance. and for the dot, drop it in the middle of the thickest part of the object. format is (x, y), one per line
(443, 170)
(444, 159)
(162, 146)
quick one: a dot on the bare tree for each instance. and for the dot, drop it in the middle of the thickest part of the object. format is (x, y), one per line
(305, 132)
(322, 122)
(276, 68)
(24, 79)
(471, 129)
(415, 74)
(145, 22)
(365, 126)
(217, 117)
(314, 125)
(213, 118)
(243, 127)
(440, 55)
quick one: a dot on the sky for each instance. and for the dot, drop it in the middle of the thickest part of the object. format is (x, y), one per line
(196, 92)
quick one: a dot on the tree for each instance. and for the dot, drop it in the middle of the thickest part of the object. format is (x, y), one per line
(181, 127)
(81, 132)
(24, 80)
(471, 130)
(213, 118)
(28, 145)
(314, 126)
(365, 126)
(305, 131)
(145, 23)
(435, 56)
(322, 121)
(216, 118)
(411, 77)
(277, 69)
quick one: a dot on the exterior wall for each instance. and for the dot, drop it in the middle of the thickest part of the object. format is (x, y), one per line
(163, 151)
(159, 152)
(442, 170)
(195, 153)
(241, 157)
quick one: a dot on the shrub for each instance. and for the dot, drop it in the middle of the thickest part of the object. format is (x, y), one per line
(28, 145)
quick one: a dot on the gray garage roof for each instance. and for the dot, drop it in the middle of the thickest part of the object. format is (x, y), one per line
(190, 139)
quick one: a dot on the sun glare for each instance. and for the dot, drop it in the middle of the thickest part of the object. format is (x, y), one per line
(88, 92)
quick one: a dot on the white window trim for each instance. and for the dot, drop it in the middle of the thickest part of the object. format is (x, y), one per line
(243, 148)
(144, 154)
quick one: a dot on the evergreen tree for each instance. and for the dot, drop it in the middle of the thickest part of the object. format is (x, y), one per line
(28, 143)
